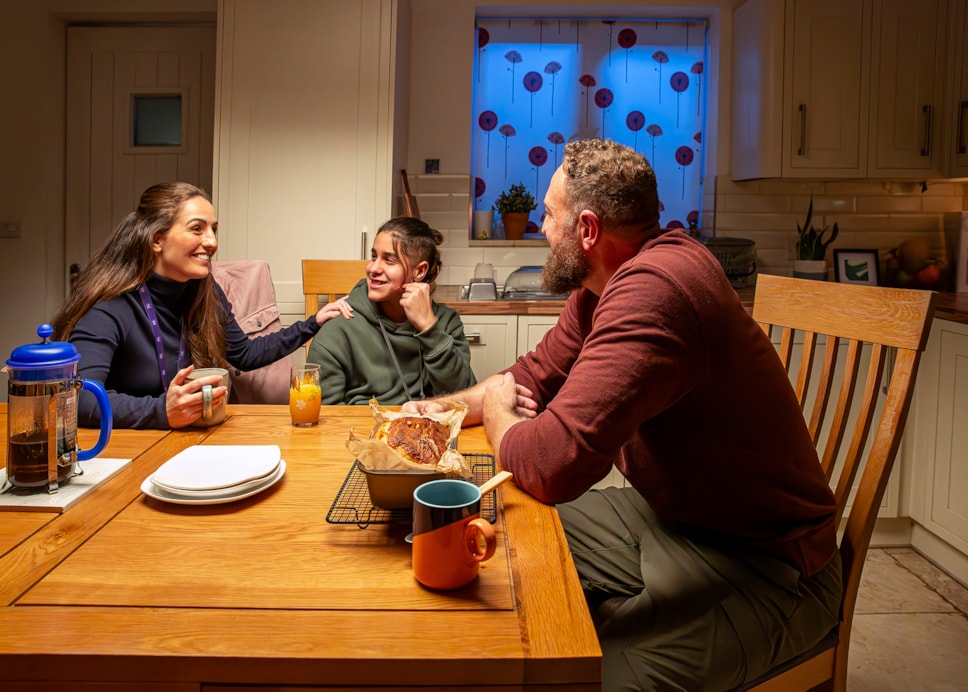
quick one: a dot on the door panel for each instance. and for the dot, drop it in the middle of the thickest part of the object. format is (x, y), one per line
(107, 68)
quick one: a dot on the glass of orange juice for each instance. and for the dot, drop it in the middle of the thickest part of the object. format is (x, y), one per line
(304, 395)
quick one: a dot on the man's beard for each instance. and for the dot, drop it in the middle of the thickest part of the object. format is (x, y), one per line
(566, 266)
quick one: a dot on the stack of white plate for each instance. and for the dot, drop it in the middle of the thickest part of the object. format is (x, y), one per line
(213, 474)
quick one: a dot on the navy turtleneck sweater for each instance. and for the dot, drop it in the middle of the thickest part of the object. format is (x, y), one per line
(117, 349)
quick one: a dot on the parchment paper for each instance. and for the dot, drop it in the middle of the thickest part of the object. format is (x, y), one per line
(376, 455)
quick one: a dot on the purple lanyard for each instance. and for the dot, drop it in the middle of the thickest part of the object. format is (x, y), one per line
(156, 330)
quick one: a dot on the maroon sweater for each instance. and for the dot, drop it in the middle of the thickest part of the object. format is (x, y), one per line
(667, 377)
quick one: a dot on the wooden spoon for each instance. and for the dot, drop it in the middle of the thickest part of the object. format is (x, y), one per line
(496, 480)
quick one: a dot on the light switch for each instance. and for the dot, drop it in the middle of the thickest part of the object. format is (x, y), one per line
(10, 229)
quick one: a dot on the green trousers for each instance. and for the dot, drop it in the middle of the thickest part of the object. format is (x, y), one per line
(673, 614)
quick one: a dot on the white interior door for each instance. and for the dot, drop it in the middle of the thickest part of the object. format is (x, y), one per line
(140, 110)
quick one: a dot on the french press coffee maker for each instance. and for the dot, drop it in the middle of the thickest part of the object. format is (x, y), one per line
(42, 413)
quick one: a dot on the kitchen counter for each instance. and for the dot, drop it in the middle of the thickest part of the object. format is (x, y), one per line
(950, 306)
(448, 295)
(953, 307)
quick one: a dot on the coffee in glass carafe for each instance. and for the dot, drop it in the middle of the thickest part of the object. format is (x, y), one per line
(42, 413)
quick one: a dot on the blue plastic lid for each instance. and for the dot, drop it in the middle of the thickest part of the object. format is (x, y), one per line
(42, 361)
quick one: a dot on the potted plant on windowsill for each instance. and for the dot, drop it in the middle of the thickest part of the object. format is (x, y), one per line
(515, 205)
(810, 262)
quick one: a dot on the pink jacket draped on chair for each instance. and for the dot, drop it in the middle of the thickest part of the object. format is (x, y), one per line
(248, 286)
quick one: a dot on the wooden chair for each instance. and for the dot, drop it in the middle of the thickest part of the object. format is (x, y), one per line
(867, 323)
(330, 278)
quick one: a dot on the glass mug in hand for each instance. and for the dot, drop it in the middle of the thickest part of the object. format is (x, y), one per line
(304, 395)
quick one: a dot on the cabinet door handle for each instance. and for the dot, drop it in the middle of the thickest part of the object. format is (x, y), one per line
(803, 130)
(473, 338)
(962, 107)
(926, 146)
(363, 248)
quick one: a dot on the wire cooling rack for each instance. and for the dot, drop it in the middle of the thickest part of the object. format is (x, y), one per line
(352, 504)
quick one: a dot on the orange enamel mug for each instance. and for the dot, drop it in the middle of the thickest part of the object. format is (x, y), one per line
(450, 539)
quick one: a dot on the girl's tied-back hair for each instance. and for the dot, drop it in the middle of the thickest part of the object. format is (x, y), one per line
(415, 242)
(126, 260)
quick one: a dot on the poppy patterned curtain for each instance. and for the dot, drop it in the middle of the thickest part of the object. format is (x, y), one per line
(539, 83)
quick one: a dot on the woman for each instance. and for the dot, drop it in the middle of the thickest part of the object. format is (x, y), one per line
(146, 311)
(399, 344)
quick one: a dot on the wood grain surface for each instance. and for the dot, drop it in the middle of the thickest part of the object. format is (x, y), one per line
(262, 591)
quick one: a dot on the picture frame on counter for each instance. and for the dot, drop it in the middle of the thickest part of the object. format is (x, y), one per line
(858, 267)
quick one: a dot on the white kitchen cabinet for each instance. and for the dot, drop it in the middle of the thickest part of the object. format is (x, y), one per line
(956, 106)
(801, 74)
(939, 450)
(906, 106)
(530, 330)
(497, 340)
(839, 89)
(493, 340)
(826, 79)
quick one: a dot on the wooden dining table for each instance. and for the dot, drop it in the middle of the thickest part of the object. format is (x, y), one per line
(125, 591)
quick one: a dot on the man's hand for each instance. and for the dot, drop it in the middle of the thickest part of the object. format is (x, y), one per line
(504, 406)
(426, 406)
(524, 404)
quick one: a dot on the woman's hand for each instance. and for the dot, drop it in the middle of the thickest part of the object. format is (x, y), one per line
(331, 310)
(183, 401)
(415, 302)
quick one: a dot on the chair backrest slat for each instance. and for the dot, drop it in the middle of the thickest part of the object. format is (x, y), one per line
(824, 387)
(806, 368)
(330, 278)
(845, 398)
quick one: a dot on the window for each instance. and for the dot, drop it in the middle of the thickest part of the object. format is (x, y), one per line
(540, 83)
(157, 121)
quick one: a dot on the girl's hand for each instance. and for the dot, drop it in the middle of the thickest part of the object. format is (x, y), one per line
(415, 302)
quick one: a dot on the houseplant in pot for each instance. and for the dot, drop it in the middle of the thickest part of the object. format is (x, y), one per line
(515, 205)
(810, 262)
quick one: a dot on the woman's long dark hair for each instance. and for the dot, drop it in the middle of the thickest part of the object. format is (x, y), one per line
(126, 260)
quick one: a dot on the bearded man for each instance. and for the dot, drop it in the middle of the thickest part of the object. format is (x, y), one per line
(718, 559)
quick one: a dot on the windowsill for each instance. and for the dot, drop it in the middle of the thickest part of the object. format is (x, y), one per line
(507, 243)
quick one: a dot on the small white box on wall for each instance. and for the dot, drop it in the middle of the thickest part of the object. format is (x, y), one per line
(956, 238)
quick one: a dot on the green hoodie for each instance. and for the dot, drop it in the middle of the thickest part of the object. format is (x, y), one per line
(356, 366)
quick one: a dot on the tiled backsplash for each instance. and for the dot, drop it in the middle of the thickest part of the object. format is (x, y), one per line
(870, 214)
(444, 201)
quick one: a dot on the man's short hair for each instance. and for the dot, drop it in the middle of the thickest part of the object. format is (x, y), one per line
(612, 180)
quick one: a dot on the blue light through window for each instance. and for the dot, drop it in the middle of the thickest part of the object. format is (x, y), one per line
(539, 83)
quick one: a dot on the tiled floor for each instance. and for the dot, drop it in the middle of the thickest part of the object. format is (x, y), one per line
(910, 627)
